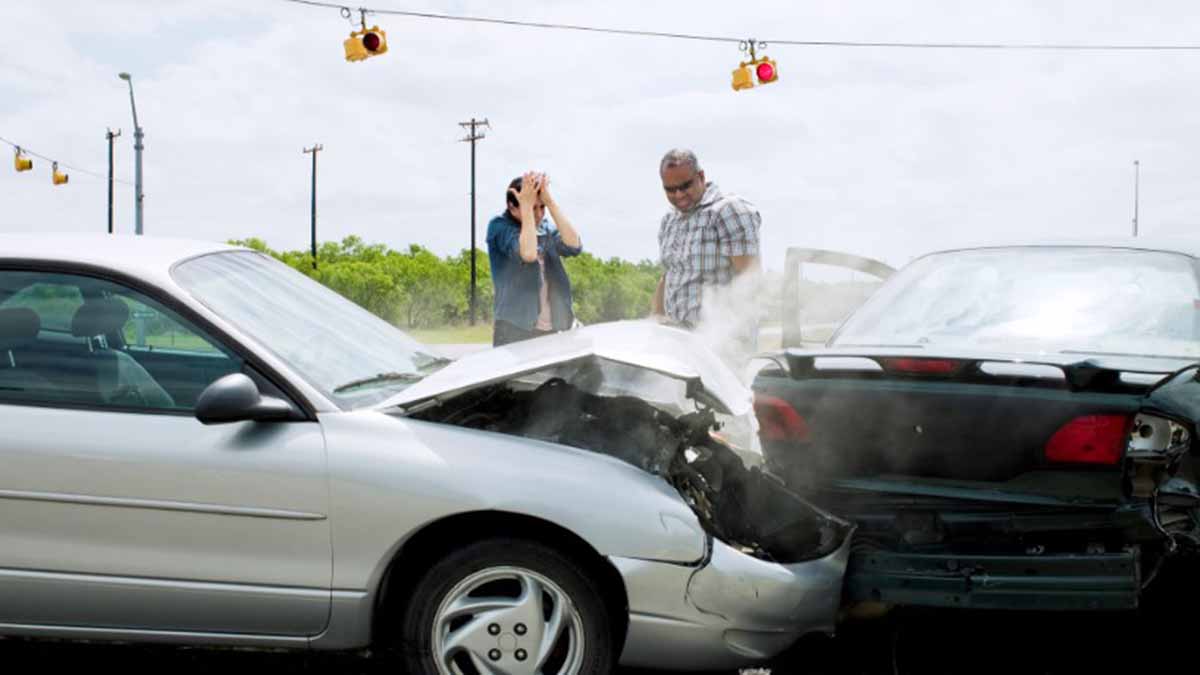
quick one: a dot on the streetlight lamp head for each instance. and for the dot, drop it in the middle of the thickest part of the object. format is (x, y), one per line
(124, 76)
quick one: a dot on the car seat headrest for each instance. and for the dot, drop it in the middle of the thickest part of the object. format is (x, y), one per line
(18, 326)
(99, 317)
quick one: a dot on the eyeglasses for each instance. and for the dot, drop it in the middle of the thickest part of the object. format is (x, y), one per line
(682, 187)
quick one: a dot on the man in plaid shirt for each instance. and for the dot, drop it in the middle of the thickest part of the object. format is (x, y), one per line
(706, 241)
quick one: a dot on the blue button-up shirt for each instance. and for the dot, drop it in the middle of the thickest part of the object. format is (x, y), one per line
(517, 283)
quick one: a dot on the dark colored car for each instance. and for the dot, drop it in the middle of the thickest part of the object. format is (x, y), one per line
(1008, 427)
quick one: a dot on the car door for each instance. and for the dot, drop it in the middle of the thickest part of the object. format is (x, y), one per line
(820, 289)
(118, 509)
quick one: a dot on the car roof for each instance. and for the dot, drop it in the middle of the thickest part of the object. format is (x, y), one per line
(139, 256)
(1181, 245)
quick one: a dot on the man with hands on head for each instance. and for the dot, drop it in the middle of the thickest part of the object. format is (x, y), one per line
(532, 294)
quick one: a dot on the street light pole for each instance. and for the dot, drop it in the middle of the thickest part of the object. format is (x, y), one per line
(110, 136)
(138, 195)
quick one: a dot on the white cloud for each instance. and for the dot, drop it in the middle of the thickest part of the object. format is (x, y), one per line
(883, 152)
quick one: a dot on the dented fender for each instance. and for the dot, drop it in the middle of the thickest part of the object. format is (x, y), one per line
(730, 608)
(758, 595)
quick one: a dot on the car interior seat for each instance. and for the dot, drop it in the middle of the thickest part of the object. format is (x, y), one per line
(116, 377)
(19, 327)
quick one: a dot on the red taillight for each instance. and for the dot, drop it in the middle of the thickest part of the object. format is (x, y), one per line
(944, 367)
(1090, 439)
(778, 421)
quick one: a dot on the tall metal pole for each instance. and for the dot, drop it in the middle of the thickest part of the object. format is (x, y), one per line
(472, 137)
(317, 147)
(138, 146)
(1137, 171)
(110, 136)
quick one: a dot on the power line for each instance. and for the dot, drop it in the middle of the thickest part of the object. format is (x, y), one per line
(27, 151)
(1037, 46)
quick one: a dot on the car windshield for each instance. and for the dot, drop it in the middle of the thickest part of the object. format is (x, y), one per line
(349, 354)
(1043, 299)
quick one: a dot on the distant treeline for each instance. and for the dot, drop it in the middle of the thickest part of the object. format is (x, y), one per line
(415, 288)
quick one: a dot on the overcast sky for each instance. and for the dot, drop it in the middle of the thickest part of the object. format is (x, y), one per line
(886, 153)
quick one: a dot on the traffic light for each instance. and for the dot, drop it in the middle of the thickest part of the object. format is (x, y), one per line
(22, 163)
(765, 71)
(758, 70)
(365, 43)
(56, 176)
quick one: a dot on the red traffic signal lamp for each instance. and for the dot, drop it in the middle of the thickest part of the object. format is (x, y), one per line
(766, 71)
(365, 43)
(758, 70)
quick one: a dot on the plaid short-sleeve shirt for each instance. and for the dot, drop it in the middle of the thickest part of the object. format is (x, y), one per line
(696, 247)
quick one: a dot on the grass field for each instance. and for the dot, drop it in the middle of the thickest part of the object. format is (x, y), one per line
(480, 333)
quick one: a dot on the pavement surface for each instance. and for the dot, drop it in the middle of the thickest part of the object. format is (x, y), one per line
(1158, 638)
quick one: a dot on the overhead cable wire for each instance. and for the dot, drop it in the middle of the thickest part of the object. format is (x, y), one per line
(25, 150)
(1033, 46)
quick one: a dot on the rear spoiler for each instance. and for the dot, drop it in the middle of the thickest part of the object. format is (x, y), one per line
(1083, 375)
(793, 268)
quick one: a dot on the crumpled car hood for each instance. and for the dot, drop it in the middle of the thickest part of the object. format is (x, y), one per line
(644, 344)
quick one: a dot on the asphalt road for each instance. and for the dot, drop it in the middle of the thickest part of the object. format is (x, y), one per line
(1161, 637)
(935, 643)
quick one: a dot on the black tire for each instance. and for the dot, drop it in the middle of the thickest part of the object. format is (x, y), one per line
(420, 613)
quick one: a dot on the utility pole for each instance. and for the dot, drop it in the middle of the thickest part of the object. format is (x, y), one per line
(472, 137)
(110, 136)
(317, 147)
(138, 146)
(1137, 170)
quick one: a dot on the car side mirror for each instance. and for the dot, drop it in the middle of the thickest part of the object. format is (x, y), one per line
(235, 398)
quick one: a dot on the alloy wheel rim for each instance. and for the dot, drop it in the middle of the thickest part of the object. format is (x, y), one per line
(508, 621)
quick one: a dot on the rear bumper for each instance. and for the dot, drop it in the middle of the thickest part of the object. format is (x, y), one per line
(735, 610)
(1108, 581)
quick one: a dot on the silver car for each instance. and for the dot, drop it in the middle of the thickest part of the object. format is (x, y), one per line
(204, 446)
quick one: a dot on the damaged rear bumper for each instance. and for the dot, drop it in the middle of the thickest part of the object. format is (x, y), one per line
(1106, 581)
(731, 611)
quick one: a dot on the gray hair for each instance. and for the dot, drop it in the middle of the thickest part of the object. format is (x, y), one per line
(679, 157)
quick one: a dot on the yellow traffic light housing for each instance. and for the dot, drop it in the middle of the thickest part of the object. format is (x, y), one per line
(365, 43)
(756, 71)
(57, 177)
(22, 163)
(742, 78)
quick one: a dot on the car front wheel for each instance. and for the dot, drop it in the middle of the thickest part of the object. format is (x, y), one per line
(507, 606)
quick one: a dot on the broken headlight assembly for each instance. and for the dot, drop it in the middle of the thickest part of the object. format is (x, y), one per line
(745, 507)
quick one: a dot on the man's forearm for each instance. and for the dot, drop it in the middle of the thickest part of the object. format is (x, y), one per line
(565, 229)
(745, 263)
(656, 303)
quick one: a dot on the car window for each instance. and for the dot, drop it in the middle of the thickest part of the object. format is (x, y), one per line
(1038, 299)
(54, 303)
(80, 340)
(820, 289)
(352, 356)
(151, 329)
